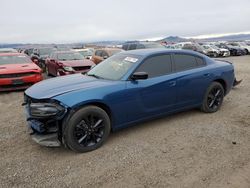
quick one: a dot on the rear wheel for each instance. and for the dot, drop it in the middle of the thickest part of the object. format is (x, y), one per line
(213, 98)
(87, 129)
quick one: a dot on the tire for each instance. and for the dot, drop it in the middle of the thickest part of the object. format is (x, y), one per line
(213, 98)
(47, 70)
(247, 52)
(42, 66)
(87, 129)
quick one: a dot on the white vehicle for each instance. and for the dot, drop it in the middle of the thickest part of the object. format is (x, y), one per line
(211, 51)
(86, 52)
(222, 51)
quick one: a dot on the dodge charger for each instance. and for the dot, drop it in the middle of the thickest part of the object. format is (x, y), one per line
(79, 111)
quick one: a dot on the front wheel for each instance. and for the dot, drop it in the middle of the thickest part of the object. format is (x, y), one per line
(87, 129)
(213, 98)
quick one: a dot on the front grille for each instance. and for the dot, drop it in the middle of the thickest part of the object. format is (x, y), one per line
(15, 86)
(16, 75)
(82, 68)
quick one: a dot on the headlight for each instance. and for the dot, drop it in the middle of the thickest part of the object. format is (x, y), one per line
(45, 109)
(68, 69)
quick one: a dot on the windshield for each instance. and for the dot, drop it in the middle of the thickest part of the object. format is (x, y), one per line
(233, 44)
(215, 47)
(21, 59)
(86, 53)
(45, 51)
(69, 56)
(206, 47)
(115, 67)
(242, 43)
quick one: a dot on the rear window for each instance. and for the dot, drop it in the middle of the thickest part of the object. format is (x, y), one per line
(69, 56)
(125, 47)
(153, 45)
(132, 47)
(185, 62)
(98, 53)
(21, 59)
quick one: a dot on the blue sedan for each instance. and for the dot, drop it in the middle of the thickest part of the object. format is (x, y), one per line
(79, 111)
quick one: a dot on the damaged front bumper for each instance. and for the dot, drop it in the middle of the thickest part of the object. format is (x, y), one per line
(45, 128)
(48, 140)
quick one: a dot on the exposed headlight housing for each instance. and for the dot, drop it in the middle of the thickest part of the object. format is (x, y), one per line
(69, 69)
(45, 109)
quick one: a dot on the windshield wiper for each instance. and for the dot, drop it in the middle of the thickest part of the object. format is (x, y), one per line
(94, 75)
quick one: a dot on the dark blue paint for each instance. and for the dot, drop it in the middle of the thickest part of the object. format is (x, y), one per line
(134, 101)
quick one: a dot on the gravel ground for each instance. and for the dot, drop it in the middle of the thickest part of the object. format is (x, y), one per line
(189, 149)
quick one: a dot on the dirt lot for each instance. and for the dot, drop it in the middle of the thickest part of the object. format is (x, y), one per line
(189, 149)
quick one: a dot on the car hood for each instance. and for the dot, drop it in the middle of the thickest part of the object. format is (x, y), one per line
(64, 84)
(77, 63)
(18, 68)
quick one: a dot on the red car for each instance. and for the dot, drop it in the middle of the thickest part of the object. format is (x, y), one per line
(17, 71)
(67, 62)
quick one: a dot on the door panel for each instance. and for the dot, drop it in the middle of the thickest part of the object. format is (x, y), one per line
(192, 79)
(151, 97)
(192, 86)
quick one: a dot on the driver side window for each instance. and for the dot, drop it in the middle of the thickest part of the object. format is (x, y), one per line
(156, 66)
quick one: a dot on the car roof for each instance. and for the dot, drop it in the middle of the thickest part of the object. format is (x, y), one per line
(8, 49)
(64, 52)
(109, 49)
(12, 54)
(153, 51)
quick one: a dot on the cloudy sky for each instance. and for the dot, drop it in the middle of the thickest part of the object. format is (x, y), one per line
(46, 21)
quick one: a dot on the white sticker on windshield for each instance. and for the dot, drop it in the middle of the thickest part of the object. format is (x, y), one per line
(131, 59)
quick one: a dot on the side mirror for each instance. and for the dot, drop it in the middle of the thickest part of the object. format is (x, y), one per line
(139, 76)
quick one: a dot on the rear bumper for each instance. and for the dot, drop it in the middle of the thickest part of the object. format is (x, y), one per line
(19, 83)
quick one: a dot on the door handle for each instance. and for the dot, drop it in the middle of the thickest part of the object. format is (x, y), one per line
(172, 83)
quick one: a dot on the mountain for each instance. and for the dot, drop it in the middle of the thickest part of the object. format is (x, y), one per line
(170, 39)
(236, 37)
(173, 39)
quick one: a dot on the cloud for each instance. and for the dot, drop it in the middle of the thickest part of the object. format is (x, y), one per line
(80, 20)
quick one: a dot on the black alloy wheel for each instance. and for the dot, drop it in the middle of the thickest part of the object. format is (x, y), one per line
(87, 129)
(213, 98)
